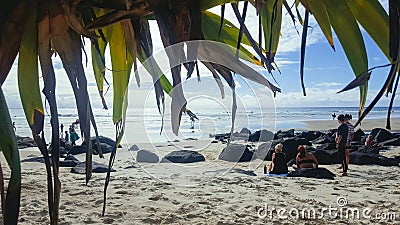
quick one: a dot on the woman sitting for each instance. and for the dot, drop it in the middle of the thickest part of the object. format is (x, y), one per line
(278, 164)
(304, 159)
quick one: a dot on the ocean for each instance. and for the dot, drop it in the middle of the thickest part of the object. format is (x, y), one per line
(145, 127)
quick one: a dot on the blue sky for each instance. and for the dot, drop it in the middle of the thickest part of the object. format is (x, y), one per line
(326, 72)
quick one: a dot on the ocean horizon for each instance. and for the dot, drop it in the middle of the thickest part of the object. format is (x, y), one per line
(145, 125)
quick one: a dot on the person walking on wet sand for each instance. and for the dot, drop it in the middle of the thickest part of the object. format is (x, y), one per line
(341, 141)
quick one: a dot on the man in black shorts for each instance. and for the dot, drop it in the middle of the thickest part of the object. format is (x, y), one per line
(341, 141)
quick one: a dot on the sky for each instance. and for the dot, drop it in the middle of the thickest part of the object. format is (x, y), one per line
(326, 72)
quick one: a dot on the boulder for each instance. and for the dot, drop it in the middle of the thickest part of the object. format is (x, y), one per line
(183, 156)
(134, 148)
(245, 131)
(265, 150)
(146, 156)
(284, 134)
(77, 149)
(326, 138)
(327, 157)
(69, 161)
(302, 141)
(382, 135)
(368, 149)
(290, 148)
(105, 148)
(319, 173)
(96, 168)
(326, 146)
(358, 135)
(236, 153)
(310, 135)
(365, 158)
(102, 139)
(261, 135)
(25, 142)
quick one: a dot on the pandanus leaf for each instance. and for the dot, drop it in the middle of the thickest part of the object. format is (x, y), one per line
(28, 75)
(349, 35)
(318, 9)
(10, 35)
(303, 50)
(228, 35)
(271, 19)
(44, 51)
(374, 19)
(8, 145)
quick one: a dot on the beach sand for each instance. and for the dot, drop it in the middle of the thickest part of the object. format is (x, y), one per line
(204, 193)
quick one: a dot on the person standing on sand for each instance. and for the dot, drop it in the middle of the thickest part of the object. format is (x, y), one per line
(74, 136)
(15, 129)
(341, 141)
(333, 116)
(62, 130)
(66, 138)
(350, 136)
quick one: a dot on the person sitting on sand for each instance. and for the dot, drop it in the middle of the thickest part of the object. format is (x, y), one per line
(278, 164)
(304, 159)
(370, 141)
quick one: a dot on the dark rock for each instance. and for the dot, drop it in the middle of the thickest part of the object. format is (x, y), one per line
(381, 134)
(291, 162)
(284, 134)
(261, 135)
(183, 156)
(69, 163)
(134, 148)
(290, 148)
(326, 138)
(364, 158)
(358, 135)
(77, 149)
(245, 131)
(326, 146)
(327, 157)
(265, 150)
(96, 168)
(146, 156)
(25, 142)
(369, 149)
(310, 135)
(302, 141)
(105, 148)
(236, 153)
(103, 139)
(319, 173)
(214, 141)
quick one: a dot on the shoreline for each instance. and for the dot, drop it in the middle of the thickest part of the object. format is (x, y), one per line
(366, 125)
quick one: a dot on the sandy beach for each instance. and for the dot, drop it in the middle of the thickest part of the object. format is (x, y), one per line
(209, 192)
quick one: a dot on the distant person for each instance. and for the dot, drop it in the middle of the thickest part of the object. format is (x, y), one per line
(62, 130)
(73, 136)
(333, 116)
(278, 164)
(15, 129)
(305, 159)
(192, 123)
(66, 138)
(341, 141)
(350, 136)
